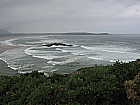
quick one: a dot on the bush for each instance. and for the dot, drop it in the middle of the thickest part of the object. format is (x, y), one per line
(99, 85)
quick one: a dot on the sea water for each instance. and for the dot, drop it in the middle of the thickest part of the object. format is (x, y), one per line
(86, 50)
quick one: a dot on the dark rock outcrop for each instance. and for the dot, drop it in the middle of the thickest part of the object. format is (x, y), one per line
(56, 44)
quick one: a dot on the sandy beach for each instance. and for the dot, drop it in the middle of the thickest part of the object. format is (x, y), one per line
(3, 46)
(4, 69)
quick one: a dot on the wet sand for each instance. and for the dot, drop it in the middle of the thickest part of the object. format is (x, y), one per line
(5, 48)
(4, 69)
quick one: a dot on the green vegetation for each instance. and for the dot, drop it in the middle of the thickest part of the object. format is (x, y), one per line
(99, 85)
(133, 89)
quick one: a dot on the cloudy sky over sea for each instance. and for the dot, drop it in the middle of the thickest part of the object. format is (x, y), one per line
(114, 16)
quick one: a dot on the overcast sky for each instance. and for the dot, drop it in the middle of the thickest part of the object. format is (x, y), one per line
(113, 16)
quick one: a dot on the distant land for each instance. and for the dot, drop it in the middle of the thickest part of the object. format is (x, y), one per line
(63, 33)
(4, 32)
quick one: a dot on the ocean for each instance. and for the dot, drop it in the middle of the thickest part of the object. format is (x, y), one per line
(85, 50)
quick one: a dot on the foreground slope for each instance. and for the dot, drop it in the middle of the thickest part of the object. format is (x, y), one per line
(99, 85)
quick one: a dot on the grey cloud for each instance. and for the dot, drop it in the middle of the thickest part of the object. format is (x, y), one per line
(69, 15)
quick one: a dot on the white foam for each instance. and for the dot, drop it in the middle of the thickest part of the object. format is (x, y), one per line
(29, 51)
(111, 48)
(114, 51)
(52, 41)
(23, 45)
(10, 57)
(46, 74)
(34, 42)
(24, 72)
(49, 57)
(54, 46)
(14, 68)
(77, 52)
(12, 54)
(69, 60)
(53, 70)
(3, 60)
(42, 71)
(96, 58)
(36, 37)
(113, 57)
(9, 42)
(42, 54)
(125, 61)
(62, 50)
(86, 47)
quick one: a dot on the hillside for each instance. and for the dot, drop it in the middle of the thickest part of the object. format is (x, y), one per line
(99, 85)
(63, 33)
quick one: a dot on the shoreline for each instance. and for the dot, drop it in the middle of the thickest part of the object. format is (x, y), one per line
(4, 68)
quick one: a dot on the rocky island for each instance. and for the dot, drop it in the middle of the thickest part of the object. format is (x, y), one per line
(56, 44)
